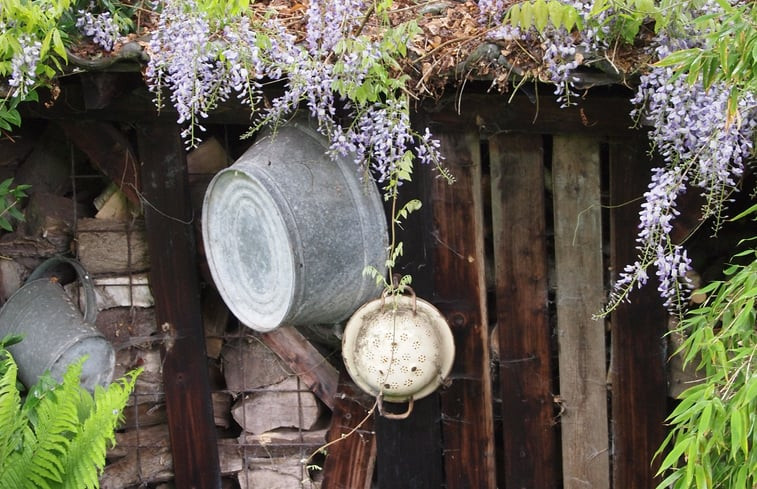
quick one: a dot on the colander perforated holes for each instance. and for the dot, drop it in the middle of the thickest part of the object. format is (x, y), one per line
(398, 351)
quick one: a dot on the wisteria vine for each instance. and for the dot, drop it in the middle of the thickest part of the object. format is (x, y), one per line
(352, 86)
(344, 80)
(204, 61)
(701, 144)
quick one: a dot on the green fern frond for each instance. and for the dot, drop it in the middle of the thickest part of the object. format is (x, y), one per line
(10, 403)
(85, 458)
(14, 475)
(56, 423)
(58, 437)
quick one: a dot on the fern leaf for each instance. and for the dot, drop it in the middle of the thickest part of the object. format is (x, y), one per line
(15, 475)
(85, 458)
(57, 419)
(10, 405)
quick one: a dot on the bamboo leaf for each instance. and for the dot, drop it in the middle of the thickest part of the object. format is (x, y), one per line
(675, 453)
(737, 432)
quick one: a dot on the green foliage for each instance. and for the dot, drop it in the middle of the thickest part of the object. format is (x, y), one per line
(540, 13)
(403, 172)
(729, 54)
(23, 23)
(9, 198)
(382, 81)
(48, 26)
(713, 440)
(57, 437)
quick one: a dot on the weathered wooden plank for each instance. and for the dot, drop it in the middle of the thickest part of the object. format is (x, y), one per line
(520, 264)
(173, 277)
(460, 294)
(351, 459)
(304, 361)
(579, 294)
(639, 387)
(533, 113)
(409, 451)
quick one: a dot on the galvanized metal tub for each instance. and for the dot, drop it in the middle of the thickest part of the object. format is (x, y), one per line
(288, 231)
(55, 334)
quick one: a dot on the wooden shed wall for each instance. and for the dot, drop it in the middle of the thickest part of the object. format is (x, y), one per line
(518, 255)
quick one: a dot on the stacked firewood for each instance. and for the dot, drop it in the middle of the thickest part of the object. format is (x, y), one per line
(272, 393)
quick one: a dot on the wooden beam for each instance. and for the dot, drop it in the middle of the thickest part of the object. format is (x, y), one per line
(639, 389)
(520, 265)
(173, 278)
(599, 113)
(304, 361)
(460, 294)
(579, 295)
(109, 150)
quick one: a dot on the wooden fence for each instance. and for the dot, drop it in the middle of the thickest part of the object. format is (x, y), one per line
(517, 254)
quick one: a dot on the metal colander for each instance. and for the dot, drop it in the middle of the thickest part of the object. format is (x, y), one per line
(399, 348)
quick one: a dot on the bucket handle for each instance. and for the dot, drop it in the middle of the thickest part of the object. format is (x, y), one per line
(90, 306)
(388, 415)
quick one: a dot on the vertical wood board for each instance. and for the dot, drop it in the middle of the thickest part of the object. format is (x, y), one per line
(460, 295)
(639, 385)
(409, 451)
(350, 461)
(579, 295)
(173, 278)
(520, 264)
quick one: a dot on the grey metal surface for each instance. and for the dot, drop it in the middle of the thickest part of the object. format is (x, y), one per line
(288, 232)
(55, 333)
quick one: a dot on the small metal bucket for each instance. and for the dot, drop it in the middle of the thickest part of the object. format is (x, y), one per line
(55, 334)
(288, 232)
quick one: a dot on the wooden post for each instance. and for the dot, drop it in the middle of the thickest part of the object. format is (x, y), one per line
(351, 460)
(173, 277)
(580, 293)
(639, 389)
(409, 451)
(520, 264)
(460, 294)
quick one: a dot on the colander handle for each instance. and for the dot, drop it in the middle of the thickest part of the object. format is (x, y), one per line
(90, 306)
(412, 294)
(388, 415)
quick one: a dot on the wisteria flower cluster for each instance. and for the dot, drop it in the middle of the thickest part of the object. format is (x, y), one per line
(701, 148)
(204, 61)
(101, 27)
(691, 130)
(563, 51)
(24, 66)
